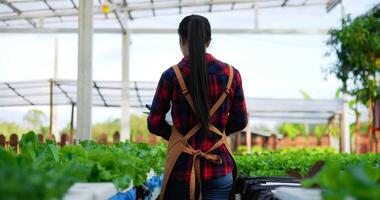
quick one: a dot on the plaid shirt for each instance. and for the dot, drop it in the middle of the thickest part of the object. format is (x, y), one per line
(231, 116)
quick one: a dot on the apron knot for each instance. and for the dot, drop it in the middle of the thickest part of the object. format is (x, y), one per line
(216, 159)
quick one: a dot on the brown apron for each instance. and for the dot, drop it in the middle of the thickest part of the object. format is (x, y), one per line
(178, 143)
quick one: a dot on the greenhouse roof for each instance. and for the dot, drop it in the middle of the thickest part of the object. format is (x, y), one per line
(64, 13)
(108, 94)
(278, 16)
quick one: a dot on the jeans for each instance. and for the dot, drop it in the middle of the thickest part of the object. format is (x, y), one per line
(215, 189)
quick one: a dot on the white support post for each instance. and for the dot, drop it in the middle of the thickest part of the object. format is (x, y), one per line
(345, 126)
(256, 10)
(125, 118)
(84, 85)
(54, 108)
(248, 137)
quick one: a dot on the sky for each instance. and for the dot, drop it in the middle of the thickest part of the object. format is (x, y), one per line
(271, 65)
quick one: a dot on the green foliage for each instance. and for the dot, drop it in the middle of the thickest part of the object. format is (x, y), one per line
(139, 126)
(320, 130)
(36, 173)
(292, 129)
(36, 121)
(242, 150)
(360, 181)
(334, 130)
(8, 128)
(357, 46)
(43, 171)
(280, 162)
(362, 130)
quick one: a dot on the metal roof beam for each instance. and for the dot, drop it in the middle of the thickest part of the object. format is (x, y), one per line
(125, 4)
(52, 9)
(168, 31)
(128, 8)
(180, 7)
(45, 14)
(120, 20)
(75, 5)
(184, 4)
(18, 94)
(64, 92)
(138, 95)
(22, 1)
(284, 3)
(48, 5)
(19, 12)
(153, 10)
(100, 94)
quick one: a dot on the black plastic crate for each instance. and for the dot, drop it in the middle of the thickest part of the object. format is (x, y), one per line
(260, 188)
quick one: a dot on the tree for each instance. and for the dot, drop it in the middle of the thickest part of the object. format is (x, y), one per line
(357, 46)
(35, 120)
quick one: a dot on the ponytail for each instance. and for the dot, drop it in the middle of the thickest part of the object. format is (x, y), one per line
(196, 31)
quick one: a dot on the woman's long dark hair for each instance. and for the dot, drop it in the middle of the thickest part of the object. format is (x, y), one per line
(196, 31)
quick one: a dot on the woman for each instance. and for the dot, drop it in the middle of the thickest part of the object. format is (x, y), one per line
(207, 103)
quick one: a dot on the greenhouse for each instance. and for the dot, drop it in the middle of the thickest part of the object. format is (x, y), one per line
(90, 69)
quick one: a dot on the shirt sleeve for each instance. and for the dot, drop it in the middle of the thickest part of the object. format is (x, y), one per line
(238, 117)
(160, 106)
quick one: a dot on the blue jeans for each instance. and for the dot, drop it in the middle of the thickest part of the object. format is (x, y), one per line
(215, 189)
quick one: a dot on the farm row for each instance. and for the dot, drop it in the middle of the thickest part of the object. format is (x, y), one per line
(47, 171)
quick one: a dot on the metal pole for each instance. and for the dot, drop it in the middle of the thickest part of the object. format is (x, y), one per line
(84, 92)
(256, 2)
(345, 126)
(248, 137)
(343, 10)
(125, 119)
(56, 48)
(72, 124)
(51, 111)
(54, 108)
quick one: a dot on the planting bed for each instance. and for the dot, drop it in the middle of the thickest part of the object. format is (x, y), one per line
(45, 171)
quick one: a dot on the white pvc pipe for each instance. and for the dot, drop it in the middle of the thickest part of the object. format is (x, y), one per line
(54, 108)
(248, 137)
(346, 126)
(84, 87)
(256, 10)
(125, 119)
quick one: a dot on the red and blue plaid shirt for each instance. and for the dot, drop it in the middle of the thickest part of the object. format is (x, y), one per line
(231, 116)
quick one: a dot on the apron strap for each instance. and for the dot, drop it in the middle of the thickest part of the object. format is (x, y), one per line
(223, 96)
(184, 89)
